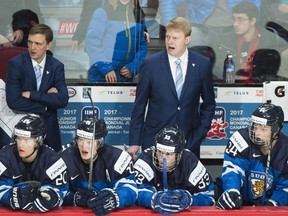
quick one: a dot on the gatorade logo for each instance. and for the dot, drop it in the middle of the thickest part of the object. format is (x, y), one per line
(280, 91)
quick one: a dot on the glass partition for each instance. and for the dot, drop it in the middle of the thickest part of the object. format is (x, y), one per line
(214, 33)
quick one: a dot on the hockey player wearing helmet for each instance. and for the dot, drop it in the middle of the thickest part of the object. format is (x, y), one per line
(29, 134)
(188, 182)
(266, 124)
(170, 143)
(32, 176)
(113, 180)
(255, 170)
(84, 138)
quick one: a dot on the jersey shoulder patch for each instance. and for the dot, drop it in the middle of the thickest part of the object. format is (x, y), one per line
(197, 174)
(144, 168)
(239, 142)
(56, 169)
(122, 162)
(2, 168)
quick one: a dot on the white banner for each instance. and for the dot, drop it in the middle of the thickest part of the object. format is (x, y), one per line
(8, 118)
(275, 91)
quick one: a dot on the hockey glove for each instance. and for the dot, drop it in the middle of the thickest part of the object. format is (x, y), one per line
(270, 202)
(267, 202)
(230, 199)
(105, 202)
(47, 199)
(82, 196)
(171, 201)
(22, 197)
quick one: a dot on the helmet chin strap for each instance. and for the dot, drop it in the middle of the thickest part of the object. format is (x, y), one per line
(273, 140)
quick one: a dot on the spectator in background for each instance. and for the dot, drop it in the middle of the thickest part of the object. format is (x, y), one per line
(113, 179)
(195, 11)
(274, 17)
(209, 19)
(243, 41)
(115, 42)
(274, 11)
(220, 17)
(33, 176)
(232, 3)
(169, 193)
(156, 91)
(88, 8)
(255, 170)
(23, 21)
(8, 8)
(41, 91)
(4, 42)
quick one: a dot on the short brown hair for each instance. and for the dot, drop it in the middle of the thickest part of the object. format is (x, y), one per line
(247, 8)
(181, 24)
(42, 29)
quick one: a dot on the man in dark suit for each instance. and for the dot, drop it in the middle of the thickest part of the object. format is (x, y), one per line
(157, 88)
(27, 94)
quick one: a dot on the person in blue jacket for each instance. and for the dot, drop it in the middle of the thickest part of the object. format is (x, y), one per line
(182, 183)
(112, 183)
(115, 42)
(255, 170)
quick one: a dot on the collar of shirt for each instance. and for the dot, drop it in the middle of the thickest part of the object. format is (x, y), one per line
(42, 64)
(184, 63)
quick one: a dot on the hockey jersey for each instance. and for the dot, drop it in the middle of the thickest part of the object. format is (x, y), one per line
(244, 168)
(48, 168)
(113, 169)
(190, 174)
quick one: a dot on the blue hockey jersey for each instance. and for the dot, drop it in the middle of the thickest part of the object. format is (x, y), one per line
(113, 169)
(48, 168)
(190, 174)
(244, 168)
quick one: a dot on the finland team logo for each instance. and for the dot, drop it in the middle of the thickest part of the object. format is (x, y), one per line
(256, 180)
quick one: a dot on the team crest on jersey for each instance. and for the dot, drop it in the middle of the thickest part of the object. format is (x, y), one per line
(256, 180)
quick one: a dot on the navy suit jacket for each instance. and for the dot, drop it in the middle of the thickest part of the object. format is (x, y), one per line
(21, 77)
(156, 89)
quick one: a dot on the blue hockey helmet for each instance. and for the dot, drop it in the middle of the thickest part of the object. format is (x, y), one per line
(86, 126)
(31, 126)
(270, 115)
(85, 130)
(170, 140)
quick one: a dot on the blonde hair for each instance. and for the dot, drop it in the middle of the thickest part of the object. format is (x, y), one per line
(180, 23)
